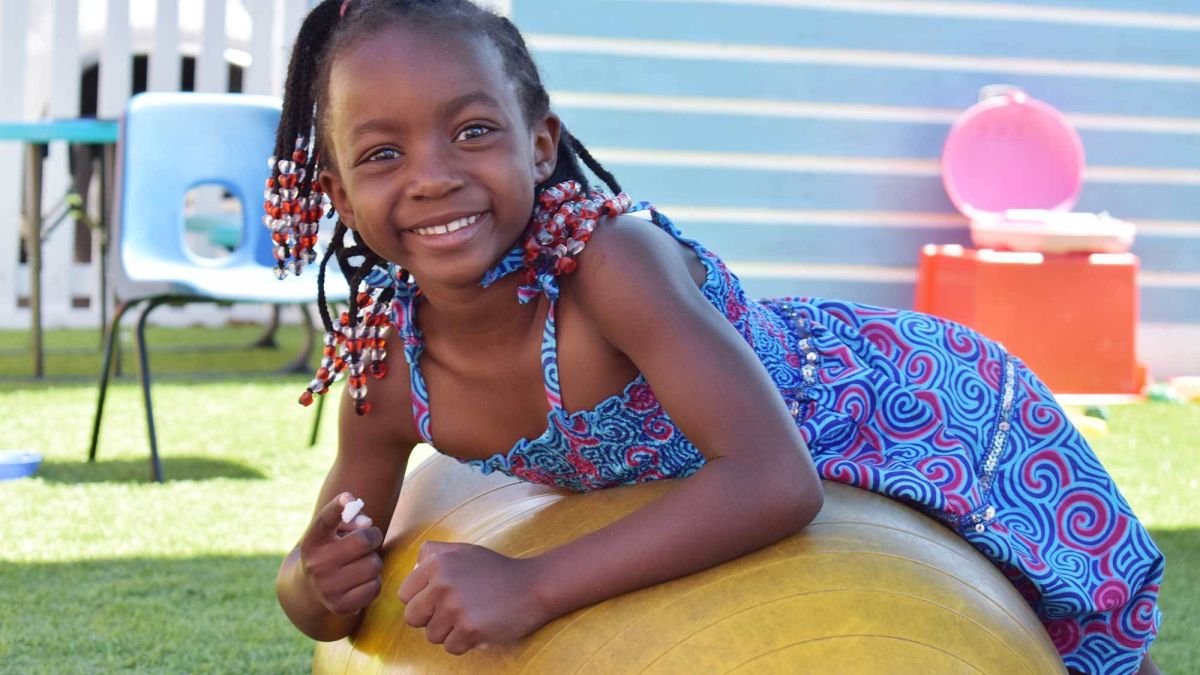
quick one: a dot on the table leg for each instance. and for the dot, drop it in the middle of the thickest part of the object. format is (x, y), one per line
(33, 244)
(103, 228)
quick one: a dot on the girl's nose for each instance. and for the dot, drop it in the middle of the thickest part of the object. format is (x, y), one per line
(433, 175)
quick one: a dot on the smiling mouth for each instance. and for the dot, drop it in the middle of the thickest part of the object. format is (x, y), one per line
(452, 226)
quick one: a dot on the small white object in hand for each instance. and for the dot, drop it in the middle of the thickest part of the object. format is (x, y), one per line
(350, 510)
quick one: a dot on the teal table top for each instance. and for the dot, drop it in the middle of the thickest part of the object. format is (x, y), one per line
(71, 130)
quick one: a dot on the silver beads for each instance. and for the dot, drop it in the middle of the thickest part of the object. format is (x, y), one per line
(809, 356)
(1003, 426)
(981, 520)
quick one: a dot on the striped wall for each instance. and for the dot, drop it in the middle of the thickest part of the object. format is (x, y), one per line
(800, 139)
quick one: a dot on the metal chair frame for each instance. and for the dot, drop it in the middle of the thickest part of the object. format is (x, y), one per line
(159, 160)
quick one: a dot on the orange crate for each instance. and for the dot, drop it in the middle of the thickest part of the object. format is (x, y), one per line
(1071, 318)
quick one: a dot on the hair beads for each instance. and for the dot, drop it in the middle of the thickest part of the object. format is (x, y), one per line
(293, 209)
(357, 347)
(562, 225)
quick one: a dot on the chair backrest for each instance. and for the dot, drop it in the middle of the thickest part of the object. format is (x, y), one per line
(173, 142)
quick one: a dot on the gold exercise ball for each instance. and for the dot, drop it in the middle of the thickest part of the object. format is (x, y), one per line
(870, 586)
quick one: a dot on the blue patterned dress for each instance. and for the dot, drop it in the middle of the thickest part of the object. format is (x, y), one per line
(908, 405)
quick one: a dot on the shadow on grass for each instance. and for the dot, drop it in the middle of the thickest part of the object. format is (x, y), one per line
(205, 614)
(139, 470)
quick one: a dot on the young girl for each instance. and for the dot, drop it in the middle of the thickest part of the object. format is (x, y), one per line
(427, 126)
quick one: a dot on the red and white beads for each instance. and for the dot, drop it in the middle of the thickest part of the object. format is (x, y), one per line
(293, 209)
(355, 348)
(562, 225)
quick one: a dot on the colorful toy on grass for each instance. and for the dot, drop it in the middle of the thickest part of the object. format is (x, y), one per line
(18, 463)
(870, 586)
(1163, 392)
(1187, 387)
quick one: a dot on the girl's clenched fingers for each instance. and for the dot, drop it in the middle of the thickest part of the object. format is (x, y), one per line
(357, 598)
(361, 570)
(438, 627)
(414, 583)
(420, 609)
(460, 641)
(360, 542)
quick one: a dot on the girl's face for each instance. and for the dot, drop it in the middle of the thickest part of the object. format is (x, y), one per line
(434, 162)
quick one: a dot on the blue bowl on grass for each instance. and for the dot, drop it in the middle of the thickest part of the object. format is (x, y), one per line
(18, 464)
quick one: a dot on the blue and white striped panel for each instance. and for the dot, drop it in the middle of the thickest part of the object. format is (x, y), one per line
(800, 139)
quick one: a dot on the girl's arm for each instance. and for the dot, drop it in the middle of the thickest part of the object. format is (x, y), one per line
(333, 572)
(759, 485)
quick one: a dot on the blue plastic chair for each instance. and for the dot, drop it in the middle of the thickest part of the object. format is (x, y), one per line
(169, 144)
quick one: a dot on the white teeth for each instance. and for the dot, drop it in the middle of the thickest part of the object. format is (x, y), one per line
(448, 227)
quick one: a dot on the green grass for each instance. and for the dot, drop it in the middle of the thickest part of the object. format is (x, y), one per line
(75, 355)
(1152, 451)
(102, 570)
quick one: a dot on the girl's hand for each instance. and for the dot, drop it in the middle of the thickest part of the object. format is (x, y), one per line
(468, 596)
(340, 560)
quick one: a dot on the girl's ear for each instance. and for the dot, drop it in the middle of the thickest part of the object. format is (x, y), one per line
(545, 147)
(331, 184)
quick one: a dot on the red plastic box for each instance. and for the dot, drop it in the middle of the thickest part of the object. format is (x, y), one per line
(1071, 318)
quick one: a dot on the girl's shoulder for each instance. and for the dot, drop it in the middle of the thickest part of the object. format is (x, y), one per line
(630, 260)
(633, 246)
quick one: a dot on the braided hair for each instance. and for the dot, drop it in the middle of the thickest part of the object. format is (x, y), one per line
(294, 203)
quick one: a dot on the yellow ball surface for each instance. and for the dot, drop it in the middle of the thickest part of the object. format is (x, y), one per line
(870, 586)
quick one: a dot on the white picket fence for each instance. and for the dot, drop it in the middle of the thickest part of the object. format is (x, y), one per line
(45, 47)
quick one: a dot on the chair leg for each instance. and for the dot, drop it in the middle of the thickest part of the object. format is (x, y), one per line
(110, 339)
(267, 339)
(144, 366)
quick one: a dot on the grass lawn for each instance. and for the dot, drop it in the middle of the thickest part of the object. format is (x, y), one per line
(103, 570)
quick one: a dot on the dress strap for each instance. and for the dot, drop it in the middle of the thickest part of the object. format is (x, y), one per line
(550, 361)
(658, 218)
(550, 286)
(405, 319)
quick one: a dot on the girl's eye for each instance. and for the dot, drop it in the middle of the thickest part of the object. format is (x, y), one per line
(383, 154)
(472, 132)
